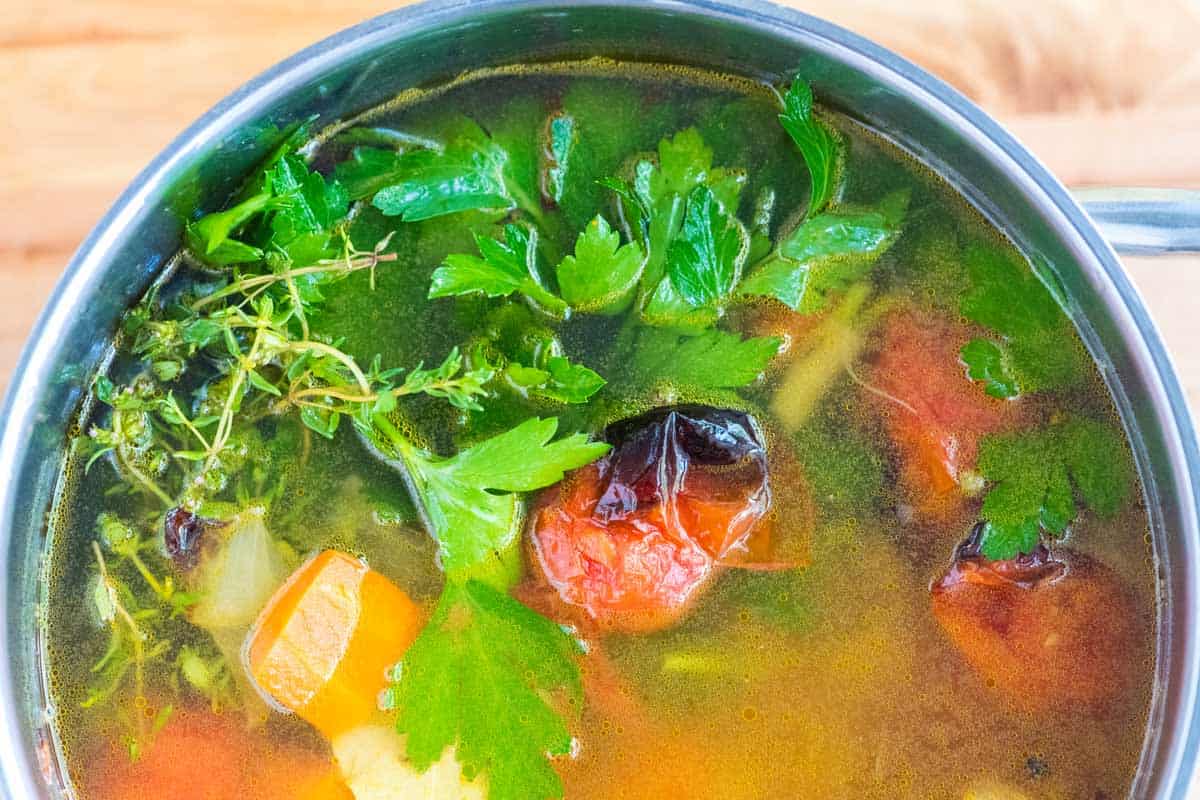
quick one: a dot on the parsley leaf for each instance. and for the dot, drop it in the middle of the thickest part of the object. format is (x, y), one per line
(826, 253)
(300, 209)
(1036, 338)
(1039, 477)
(602, 275)
(368, 170)
(210, 237)
(820, 145)
(667, 308)
(468, 174)
(469, 499)
(524, 458)
(308, 207)
(714, 359)
(557, 379)
(704, 262)
(506, 267)
(987, 362)
(477, 679)
(658, 196)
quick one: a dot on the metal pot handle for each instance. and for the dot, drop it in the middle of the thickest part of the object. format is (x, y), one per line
(1145, 221)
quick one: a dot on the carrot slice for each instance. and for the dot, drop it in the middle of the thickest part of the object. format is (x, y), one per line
(324, 642)
(305, 780)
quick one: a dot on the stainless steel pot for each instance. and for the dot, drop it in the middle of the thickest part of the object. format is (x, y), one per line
(427, 43)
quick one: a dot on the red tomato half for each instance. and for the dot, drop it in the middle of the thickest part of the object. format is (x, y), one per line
(1045, 631)
(200, 755)
(632, 540)
(934, 414)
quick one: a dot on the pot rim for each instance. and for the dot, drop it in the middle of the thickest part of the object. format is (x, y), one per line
(35, 369)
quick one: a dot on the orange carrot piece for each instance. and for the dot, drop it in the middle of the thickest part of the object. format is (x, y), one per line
(322, 646)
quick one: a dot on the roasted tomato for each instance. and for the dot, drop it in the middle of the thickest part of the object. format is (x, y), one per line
(934, 415)
(199, 755)
(632, 539)
(1044, 630)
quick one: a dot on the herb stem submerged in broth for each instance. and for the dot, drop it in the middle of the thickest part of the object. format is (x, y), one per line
(599, 430)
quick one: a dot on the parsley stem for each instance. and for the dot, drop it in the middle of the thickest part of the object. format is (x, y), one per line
(402, 444)
(526, 204)
(549, 226)
(544, 298)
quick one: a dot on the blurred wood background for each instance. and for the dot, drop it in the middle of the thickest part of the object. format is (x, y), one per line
(1106, 92)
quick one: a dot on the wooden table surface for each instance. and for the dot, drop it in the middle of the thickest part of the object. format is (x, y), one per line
(1105, 92)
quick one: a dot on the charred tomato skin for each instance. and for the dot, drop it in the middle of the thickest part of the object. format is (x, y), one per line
(1045, 630)
(184, 536)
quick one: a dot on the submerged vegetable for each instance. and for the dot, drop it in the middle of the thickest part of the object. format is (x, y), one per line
(633, 539)
(1046, 630)
(934, 420)
(372, 760)
(325, 642)
(199, 755)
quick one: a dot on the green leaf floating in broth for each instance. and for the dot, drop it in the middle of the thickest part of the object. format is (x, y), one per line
(504, 268)
(820, 145)
(556, 379)
(470, 499)
(658, 197)
(1036, 338)
(468, 173)
(602, 275)
(714, 359)
(368, 170)
(210, 237)
(569, 382)
(309, 206)
(524, 458)
(300, 208)
(481, 678)
(1036, 477)
(704, 262)
(667, 308)
(987, 362)
(528, 353)
(826, 253)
